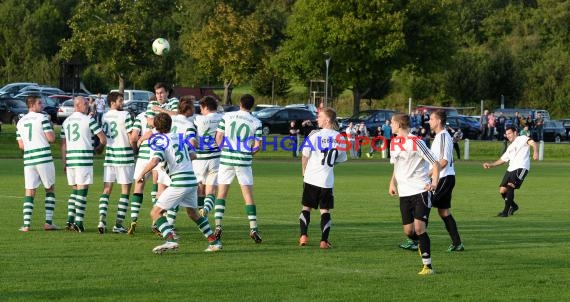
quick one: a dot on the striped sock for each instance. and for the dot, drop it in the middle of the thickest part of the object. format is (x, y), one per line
(50, 207)
(80, 205)
(153, 192)
(122, 209)
(28, 210)
(136, 206)
(220, 208)
(71, 207)
(204, 226)
(171, 216)
(251, 212)
(103, 207)
(164, 227)
(209, 203)
(325, 226)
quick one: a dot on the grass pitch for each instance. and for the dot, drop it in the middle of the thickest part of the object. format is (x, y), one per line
(523, 257)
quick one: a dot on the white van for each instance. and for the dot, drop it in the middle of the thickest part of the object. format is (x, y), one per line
(135, 95)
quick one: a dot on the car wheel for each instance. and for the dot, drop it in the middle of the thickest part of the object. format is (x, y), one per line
(557, 139)
(265, 130)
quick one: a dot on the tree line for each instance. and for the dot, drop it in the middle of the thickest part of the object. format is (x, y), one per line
(444, 52)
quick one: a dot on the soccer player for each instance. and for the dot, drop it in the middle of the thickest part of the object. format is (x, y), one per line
(411, 182)
(238, 136)
(518, 157)
(119, 161)
(34, 133)
(77, 132)
(442, 148)
(182, 189)
(320, 155)
(140, 129)
(207, 160)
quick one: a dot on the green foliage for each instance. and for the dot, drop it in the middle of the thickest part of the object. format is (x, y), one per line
(266, 83)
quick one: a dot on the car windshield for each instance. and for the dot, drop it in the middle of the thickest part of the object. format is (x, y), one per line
(554, 125)
(17, 104)
(363, 115)
(266, 112)
(68, 103)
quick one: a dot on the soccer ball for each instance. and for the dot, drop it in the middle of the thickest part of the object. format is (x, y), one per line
(160, 46)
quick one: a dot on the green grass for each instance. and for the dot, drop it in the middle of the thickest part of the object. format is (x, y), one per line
(524, 257)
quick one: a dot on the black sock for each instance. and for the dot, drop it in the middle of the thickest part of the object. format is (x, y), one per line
(451, 227)
(414, 237)
(325, 226)
(510, 199)
(425, 248)
(304, 220)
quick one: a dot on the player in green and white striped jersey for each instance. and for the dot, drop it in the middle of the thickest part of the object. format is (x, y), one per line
(239, 137)
(119, 160)
(140, 129)
(207, 160)
(182, 189)
(77, 132)
(34, 134)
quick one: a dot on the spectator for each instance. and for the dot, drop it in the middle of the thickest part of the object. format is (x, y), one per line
(491, 126)
(539, 127)
(294, 133)
(360, 132)
(484, 124)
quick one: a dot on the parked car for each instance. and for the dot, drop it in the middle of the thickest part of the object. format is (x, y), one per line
(65, 110)
(51, 106)
(135, 108)
(451, 111)
(554, 131)
(11, 110)
(130, 95)
(260, 107)
(277, 120)
(468, 125)
(41, 90)
(371, 118)
(309, 107)
(13, 88)
(566, 123)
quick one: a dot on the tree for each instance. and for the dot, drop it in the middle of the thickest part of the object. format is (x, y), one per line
(117, 36)
(366, 40)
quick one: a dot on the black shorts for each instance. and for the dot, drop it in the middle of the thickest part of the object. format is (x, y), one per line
(415, 207)
(515, 177)
(441, 198)
(317, 197)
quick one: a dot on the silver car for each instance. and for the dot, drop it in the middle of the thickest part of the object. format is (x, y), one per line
(65, 110)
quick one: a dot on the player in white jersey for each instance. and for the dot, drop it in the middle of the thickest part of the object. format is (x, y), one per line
(140, 129)
(518, 157)
(239, 138)
(320, 155)
(77, 132)
(34, 133)
(411, 182)
(442, 148)
(119, 161)
(207, 160)
(182, 190)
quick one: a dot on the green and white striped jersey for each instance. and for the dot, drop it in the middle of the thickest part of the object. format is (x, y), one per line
(142, 126)
(31, 129)
(181, 125)
(171, 104)
(240, 128)
(206, 126)
(177, 162)
(117, 125)
(78, 130)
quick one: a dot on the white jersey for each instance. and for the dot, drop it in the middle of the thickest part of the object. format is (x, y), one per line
(117, 125)
(206, 126)
(177, 162)
(142, 126)
(518, 154)
(442, 148)
(240, 129)
(183, 126)
(321, 147)
(78, 131)
(31, 130)
(411, 159)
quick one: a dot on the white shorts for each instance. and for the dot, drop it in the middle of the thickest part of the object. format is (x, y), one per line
(244, 175)
(39, 174)
(163, 178)
(186, 197)
(79, 176)
(139, 167)
(206, 171)
(122, 175)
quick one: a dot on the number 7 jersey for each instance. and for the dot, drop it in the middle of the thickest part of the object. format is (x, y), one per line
(322, 149)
